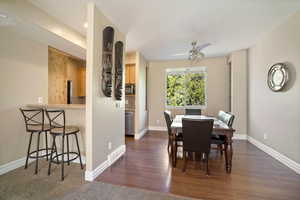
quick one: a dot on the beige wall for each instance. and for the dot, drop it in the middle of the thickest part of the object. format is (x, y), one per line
(23, 78)
(105, 121)
(141, 114)
(276, 114)
(239, 90)
(217, 87)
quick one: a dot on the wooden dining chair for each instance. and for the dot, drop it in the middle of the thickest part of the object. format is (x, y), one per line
(220, 140)
(197, 138)
(193, 111)
(178, 136)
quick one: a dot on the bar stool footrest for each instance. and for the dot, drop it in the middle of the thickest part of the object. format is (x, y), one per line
(40, 156)
(56, 157)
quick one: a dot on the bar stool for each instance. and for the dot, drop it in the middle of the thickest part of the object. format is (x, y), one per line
(34, 123)
(58, 127)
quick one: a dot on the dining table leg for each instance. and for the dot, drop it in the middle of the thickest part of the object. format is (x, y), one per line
(229, 153)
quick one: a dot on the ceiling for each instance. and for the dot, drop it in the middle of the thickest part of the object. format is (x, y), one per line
(25, 28)
(163, 29)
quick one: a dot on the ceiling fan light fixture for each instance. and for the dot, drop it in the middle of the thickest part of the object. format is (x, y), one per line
(3, 15)
(195, 53)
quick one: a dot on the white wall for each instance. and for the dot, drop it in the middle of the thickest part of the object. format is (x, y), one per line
(217, 87)
(105, 122)
(23, 78)
(271, 113)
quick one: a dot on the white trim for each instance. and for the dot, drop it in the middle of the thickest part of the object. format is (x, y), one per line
(21, 162)
(140, 134)
(186, 69)
(116, 154)
(91, 175)
(275, 154)
(13, 165)
(157, 128)
(111, 158)
(237, 136)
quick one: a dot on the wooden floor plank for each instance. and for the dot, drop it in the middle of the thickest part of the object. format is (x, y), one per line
(255, 175)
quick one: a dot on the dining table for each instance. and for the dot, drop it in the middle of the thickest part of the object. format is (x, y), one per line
(219, 128)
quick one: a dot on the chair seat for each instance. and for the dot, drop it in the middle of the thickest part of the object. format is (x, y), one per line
(38, 128)
(179, 137)
(68, 130)
(217, 141)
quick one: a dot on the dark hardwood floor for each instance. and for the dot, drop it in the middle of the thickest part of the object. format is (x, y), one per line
(255, 175)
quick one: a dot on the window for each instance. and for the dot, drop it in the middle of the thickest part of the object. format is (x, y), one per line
(186, 87)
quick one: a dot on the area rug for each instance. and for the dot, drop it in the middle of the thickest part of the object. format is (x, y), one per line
(104, 191)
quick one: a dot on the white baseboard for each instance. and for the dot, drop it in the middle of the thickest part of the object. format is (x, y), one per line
(140, 134)
(157, 128)
(239, 136)
(91, 175)
(111, 158)
(275, 154)
(13, 165)
(21, 162)
(116, 154)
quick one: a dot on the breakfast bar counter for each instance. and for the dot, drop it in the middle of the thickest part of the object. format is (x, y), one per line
(75, 115)
(58, 106)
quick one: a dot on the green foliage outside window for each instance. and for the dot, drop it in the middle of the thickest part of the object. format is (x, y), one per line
(186, 89)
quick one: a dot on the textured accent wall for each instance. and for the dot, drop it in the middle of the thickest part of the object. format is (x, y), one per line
(61, 68)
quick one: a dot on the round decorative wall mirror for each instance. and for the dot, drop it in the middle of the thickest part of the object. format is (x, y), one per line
(278, 77)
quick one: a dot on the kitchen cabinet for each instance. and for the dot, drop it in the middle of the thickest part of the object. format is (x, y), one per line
(81, 74)
(130, 73)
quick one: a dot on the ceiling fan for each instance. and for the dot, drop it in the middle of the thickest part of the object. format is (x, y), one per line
(196, 52)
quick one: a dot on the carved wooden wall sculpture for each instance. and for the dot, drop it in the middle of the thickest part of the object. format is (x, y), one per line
(118, 70)
(107, 49)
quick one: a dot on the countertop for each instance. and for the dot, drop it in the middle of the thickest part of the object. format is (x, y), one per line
(129, 109)
(59, 106)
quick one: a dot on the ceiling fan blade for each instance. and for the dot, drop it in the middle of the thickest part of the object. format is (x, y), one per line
(180, 54)
(200, 47)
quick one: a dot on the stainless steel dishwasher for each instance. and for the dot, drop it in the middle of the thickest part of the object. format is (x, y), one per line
(129, 123)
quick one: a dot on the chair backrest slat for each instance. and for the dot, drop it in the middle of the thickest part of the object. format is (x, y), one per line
(226, 117)
(197, 134)
(56, 119)
(33, 117)
(169, 121)
(193, 111)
